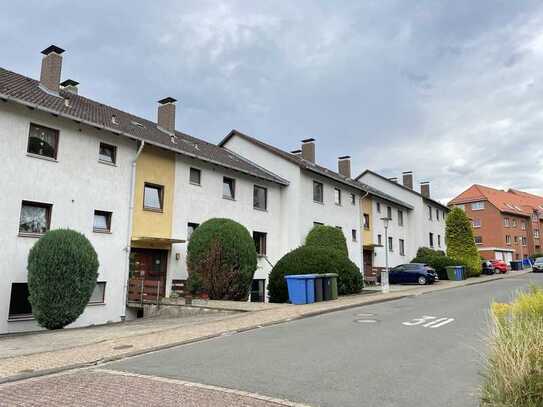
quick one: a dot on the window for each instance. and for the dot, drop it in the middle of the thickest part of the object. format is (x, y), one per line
(353, 199)
(389, 212)
(380, 240)
(524, 241)
(228, 188)
(258, 290)
(523, 225)
(337, 196)
(401, 243)
(535, 217)
(429, 208)
(477, 206)
(463, 207)
(400, 218)
(260, 242)
(191, 227)
(107, 153)
(153, 197)
(318, 192)
(431, 239)
(514, 223)
(379, 207)
(42, 141)
(508, 239)
(98, 294)
(366, 221)
(478, 239)
(536, 233)
(437, 214)
(353, 234)
(19, 306)
(318, 224)
(476, 223)
(438, 240)
(516, 239)
(35, 218)
(102, 221)
(195, 176)
(260, 198)
(506, 222)
(390, 244)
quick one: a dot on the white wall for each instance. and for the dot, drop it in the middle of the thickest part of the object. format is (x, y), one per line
(75, 185)
(196, 204)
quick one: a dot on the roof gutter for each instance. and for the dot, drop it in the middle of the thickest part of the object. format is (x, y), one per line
(121, 133)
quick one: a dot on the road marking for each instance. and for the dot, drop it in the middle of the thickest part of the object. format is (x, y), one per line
(429, 321)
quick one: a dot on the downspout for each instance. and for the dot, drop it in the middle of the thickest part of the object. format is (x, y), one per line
(129, 229)
(362, 233)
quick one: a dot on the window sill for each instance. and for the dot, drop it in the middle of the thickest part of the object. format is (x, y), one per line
(34, 235)
(21, 318)
(42, 157)
(153, 210)
(195, 184)
(260, 209)
(107, 163)
(103, 231)
(318, 202)
(93, 304)
(228, 198)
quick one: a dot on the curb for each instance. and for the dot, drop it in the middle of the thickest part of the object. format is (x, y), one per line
(45, 372)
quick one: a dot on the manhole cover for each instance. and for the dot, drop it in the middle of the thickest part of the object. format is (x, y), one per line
(366, 321)
(120, 347)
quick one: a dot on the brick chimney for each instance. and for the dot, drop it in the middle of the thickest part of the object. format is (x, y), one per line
(51, 66)
(344, 165)
(166, 115)
(425, 189)
(407, 179)
(69, 85)
(308, 149)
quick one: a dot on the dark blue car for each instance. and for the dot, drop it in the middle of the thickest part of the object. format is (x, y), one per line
(417, 273)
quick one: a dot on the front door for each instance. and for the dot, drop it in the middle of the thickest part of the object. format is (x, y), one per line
(147, 281)
(368, 263)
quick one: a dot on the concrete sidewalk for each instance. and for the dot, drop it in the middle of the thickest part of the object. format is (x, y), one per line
(55, 360)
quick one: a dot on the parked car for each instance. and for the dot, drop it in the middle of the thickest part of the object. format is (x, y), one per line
(487, 267)
(418, 273)
(499, 266)
(538, 265)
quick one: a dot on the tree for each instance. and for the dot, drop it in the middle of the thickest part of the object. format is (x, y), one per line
(221, 259)
(328, 237)
(460, 241)
(62, 273)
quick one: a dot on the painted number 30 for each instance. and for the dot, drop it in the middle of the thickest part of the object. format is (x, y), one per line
(428, 321)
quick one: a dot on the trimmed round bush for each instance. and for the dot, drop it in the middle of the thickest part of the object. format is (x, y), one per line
(62, 273)
(314, 260)
(221, 260)
(328, 237)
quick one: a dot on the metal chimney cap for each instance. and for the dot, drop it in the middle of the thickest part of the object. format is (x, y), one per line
(69, 82)
(167, 100)
(52, 48)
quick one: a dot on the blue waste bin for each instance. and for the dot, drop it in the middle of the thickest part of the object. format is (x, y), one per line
(301, 288)
(459, 272)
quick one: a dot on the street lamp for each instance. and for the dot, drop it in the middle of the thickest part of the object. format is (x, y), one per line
(385, 286)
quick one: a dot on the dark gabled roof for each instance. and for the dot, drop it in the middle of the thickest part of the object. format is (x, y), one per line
(26, 91)
(317, 169)
(404, 187)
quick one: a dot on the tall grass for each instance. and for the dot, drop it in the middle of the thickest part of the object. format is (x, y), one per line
(514, 371)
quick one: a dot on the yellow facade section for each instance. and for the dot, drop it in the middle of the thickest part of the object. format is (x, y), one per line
(157, 167)
(366, 208)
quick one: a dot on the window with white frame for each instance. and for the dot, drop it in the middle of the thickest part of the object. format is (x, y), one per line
(476, 223)
(366, 221)
(506, 222)
(478, 206)
(191, 227)
(461, 206)
(228, 188)
(400, 217)
(318, 192)
(390, 244)
(536, 233)
(508, 239)
(102, 222)
(337, 196)
(107, 154)
(99, 293)
(389, 212)
(523, 225)
(478, 239)
(195, 176)
(260, 198)
(35, 218)
(401, 244)
(429, 211)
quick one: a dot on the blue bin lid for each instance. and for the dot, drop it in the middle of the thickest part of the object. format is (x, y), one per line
(302, 276)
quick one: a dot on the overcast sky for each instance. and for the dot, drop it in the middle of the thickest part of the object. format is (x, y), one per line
(452, 90)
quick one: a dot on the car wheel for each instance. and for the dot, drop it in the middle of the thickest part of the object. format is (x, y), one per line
(496, 271)
(422, 280)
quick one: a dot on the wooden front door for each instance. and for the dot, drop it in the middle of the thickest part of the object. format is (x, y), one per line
(368, 264)
(147, 281)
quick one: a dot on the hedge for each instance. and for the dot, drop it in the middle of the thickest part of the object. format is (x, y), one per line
(314, 260)
(221, 260)
(62, 273)
(328, 237)
(460, 241)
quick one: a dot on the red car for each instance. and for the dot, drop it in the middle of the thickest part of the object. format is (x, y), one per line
(499, 266)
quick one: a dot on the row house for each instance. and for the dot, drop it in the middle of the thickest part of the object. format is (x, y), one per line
(138, 189)
(413, 220)
(506, 224)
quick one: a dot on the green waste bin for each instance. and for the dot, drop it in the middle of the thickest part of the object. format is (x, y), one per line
(451, 273)
(319, 289)
(329, 282)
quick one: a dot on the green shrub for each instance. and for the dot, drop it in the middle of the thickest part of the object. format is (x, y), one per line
(460, 241)
(62, 272)
(328, 237)
(314, 260)
(438, 263)
(427, 252)
(513, 375)
(221, 259)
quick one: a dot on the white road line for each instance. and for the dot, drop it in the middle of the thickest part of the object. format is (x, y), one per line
(434, 321)
(447, 321)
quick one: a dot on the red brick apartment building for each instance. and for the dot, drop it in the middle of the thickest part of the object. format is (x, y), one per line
(506, 224)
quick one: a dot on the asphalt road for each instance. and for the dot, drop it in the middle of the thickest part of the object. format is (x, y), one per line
(335, 360)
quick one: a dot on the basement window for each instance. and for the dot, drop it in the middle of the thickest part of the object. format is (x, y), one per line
(19, 306)
(98, 294)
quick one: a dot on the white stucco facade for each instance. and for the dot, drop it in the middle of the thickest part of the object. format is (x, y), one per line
(299, 211)
(75, 184)
(417, 222)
